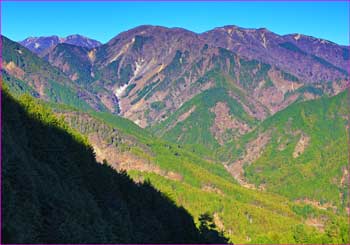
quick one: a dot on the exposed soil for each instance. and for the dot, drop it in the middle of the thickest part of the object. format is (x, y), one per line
(210, 188)
(218, 222)
(317, 204)
(185, 115)
(316, 222)
(254, 150)
(301, 145)
(224, 121)
(13, 70)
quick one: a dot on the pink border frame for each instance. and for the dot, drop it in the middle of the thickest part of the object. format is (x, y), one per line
(348, 126)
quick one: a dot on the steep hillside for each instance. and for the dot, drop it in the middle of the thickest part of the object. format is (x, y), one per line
(308, 58)
(209, 120)
(54, 191)
(78, 64)
(151, 65)
(219, 116)
(25, 72)
(246, 129)
(73, 60)
(300, 152)
(246, 215)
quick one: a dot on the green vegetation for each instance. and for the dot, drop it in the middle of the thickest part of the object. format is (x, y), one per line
(205, 187)
(290, 46)
(141, 93)
(16, 86)
(310, 89)
(247, 77)
(177, 188)
(125, 74)
(59, 93)
(158, 105)
(77, 59)
(318, 169)
(289, 77)
(139, 42)
(268, 83)
(49, 195)
(195, 131)
(108, 72)
(129, 88)
(345, 53)
(248, 216)
(41, 79)
(201, 119)
(113, 73)
(207, 227)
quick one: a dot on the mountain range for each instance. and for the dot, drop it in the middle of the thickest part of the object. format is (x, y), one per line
(244, 124)
(43, 45)
(149, 64)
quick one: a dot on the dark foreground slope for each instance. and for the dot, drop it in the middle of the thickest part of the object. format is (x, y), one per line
(54, 191)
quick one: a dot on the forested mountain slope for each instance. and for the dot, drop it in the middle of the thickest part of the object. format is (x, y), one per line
(300, 152)
(233, 132)
(205, 187)
(25, 72)
(54, 191)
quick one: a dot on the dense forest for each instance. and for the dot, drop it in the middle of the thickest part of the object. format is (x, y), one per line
(56, 192)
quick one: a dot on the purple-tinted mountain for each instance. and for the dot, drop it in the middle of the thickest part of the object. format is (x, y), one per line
(42, 45)
(72, 60)
(230, 95)
(149, 73)
(81, 41)
(310, 59)
(24, 72)
(149, 64)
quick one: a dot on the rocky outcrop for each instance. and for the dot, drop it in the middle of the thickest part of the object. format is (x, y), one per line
(301, 145)
(253, 150)
(149, 64)
(225, 125)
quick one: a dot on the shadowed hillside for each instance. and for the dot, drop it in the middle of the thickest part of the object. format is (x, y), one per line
(55, 192)
(244, 213)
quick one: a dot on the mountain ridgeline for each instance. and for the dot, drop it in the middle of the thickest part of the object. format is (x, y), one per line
(43, 45)
(231, 135)
(148, 73)
(152, 65)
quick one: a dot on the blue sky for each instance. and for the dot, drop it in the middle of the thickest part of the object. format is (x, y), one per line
(104, 20)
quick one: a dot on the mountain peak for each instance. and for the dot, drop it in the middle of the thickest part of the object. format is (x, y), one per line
(43, 44)
(154, 29)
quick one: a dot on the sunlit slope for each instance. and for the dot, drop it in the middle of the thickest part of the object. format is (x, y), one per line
(245, 215)
(305, 156)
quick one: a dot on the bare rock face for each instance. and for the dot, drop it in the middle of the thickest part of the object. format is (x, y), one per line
(254, 149)
(224, 122)
(147, 73)
(151, 63)
(301, 145)
(72, 60)
(310, 59)
(13, 70)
